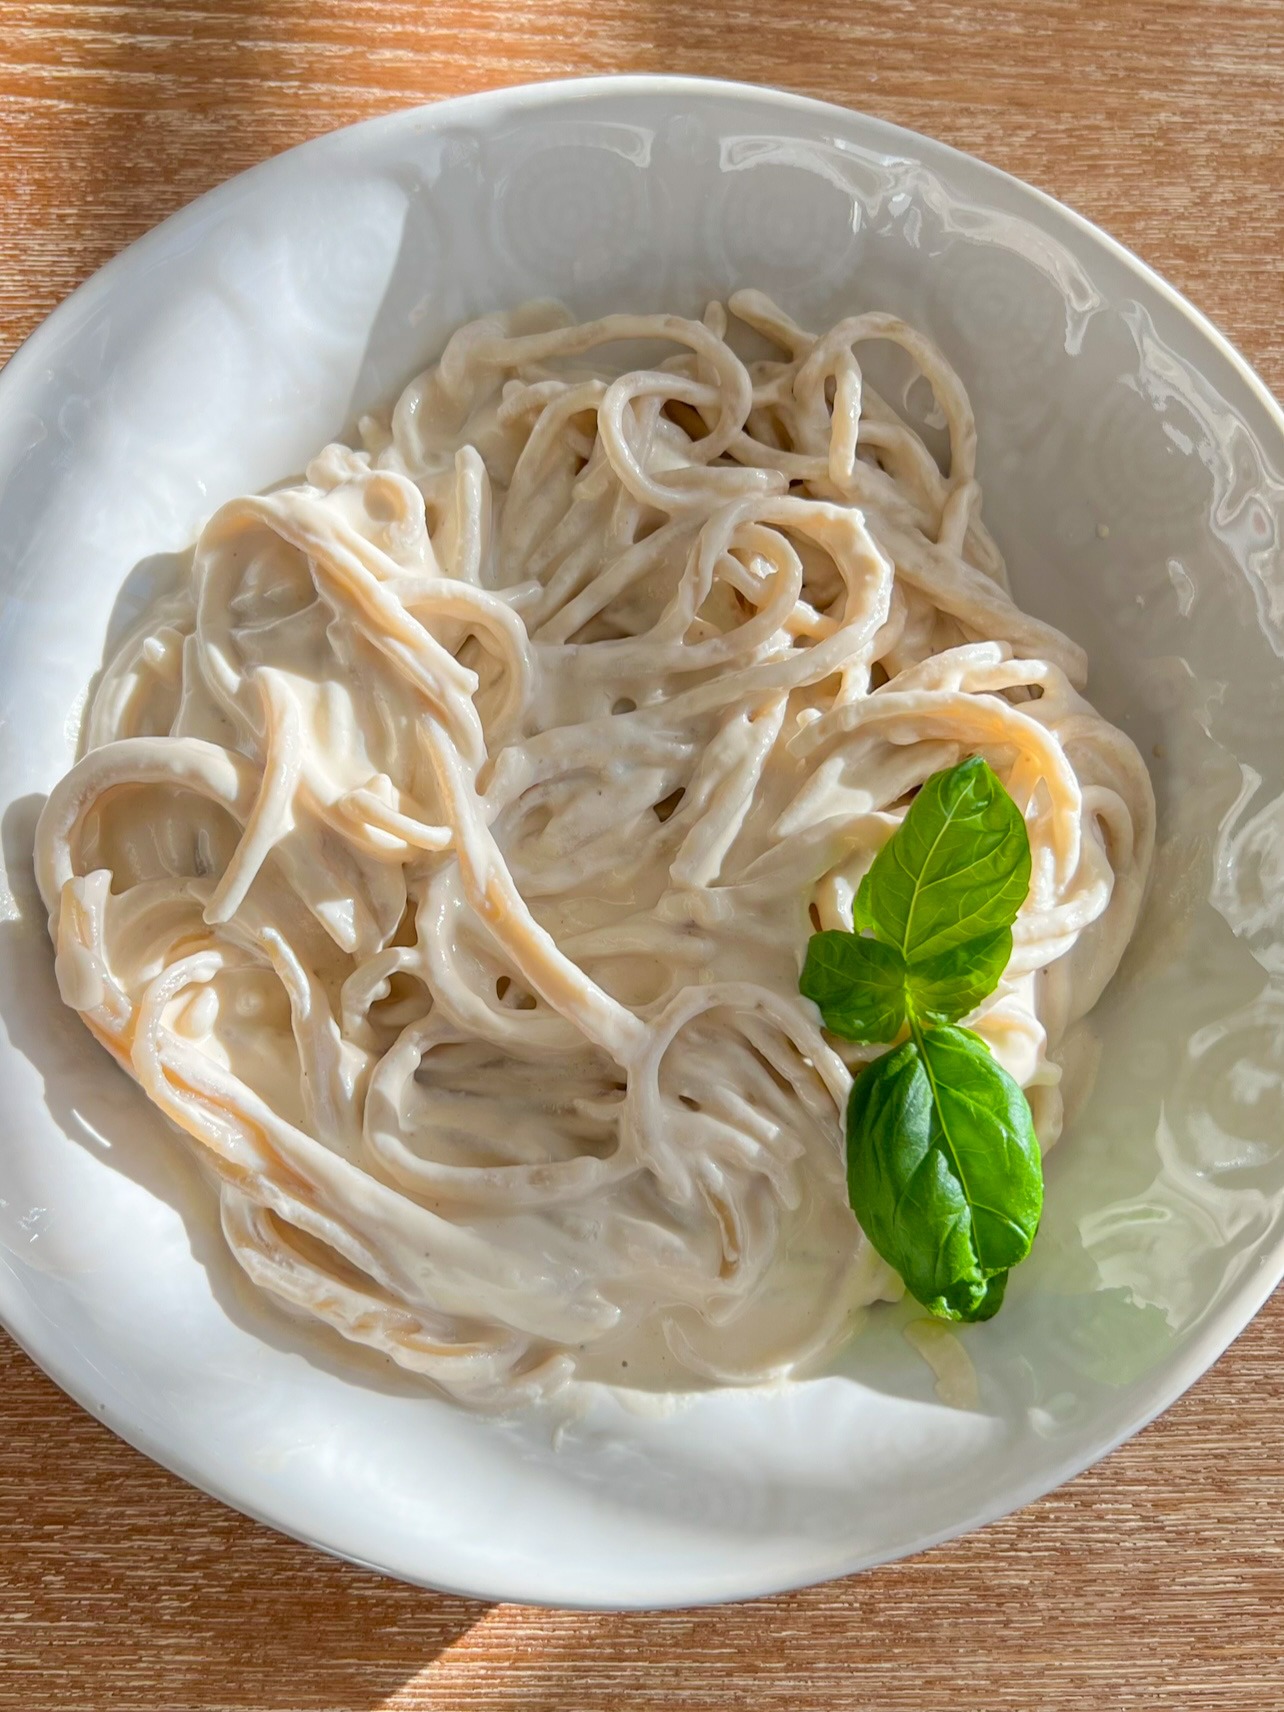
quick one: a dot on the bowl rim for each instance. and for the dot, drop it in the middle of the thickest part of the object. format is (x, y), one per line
(20, 1315)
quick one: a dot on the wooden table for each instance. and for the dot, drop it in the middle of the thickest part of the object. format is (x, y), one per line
(1156, 1580)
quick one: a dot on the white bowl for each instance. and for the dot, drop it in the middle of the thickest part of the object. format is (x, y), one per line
(1133, 469)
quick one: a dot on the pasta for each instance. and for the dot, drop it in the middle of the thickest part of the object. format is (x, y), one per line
(443, 851)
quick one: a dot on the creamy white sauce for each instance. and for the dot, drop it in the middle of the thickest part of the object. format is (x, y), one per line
(444, 852)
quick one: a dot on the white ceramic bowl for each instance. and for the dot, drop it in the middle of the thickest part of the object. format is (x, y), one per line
(1134, 475)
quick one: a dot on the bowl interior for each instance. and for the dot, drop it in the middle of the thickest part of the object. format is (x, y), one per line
(1134, 476)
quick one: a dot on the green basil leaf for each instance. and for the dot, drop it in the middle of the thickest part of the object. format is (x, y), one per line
(943, 1166)
(946, 986)
(943, 1169)
(992, 1301)
(858, 984)
(957, 867)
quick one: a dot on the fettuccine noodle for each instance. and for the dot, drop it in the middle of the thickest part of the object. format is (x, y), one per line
(444, 851)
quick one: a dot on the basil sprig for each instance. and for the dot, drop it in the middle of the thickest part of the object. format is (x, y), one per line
(943, 1167)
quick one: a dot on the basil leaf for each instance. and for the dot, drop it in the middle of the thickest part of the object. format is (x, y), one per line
(948, 985)
(858, 984)
(865, 991)
(957, 867)
(943, 1165)
(943, 1170)
(990, 1302)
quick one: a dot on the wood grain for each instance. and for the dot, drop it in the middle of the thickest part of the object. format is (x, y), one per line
(1155, 1581)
